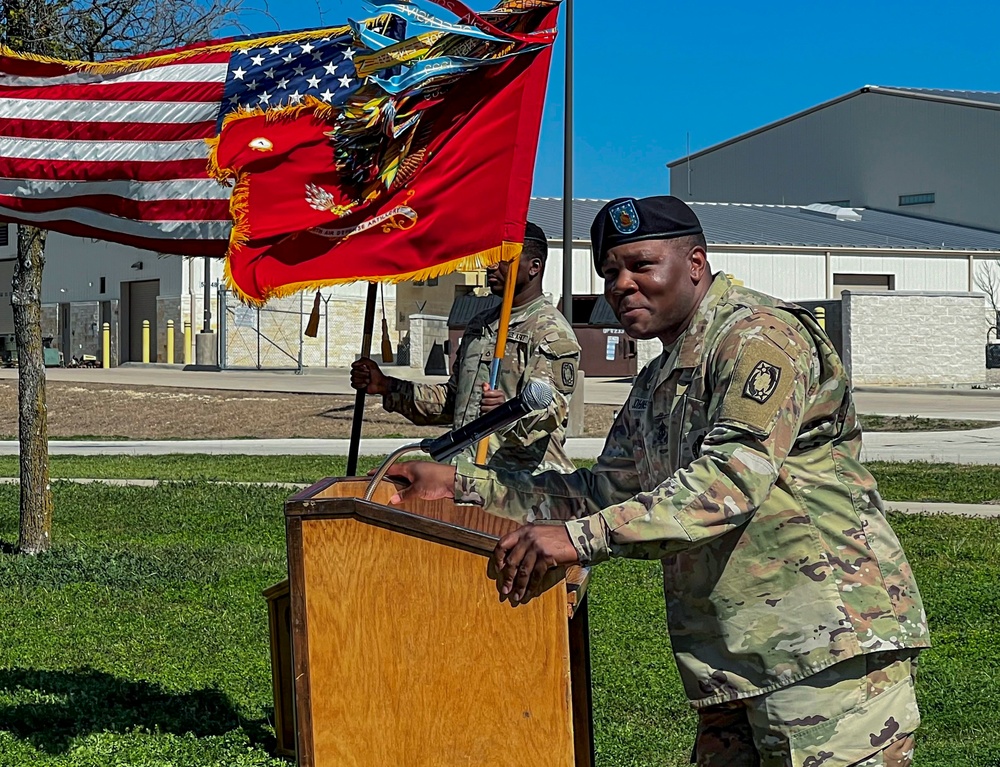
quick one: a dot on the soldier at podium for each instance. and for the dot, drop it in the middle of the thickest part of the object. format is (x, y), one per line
(793, 613)
(540, 345)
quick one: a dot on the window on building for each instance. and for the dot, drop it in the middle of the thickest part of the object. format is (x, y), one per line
(916, 199)
(842, 282)
(103, 285)
(4, 240)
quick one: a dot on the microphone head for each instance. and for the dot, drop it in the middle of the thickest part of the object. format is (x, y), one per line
(537, 395)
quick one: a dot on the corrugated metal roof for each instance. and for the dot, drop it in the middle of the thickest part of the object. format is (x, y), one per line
(464, 308)
(790, 226)
(981, 97)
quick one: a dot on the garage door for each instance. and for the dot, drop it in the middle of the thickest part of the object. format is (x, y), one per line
(142, 306)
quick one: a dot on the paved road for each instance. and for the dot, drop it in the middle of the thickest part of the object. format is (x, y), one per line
(929, 403)
(981, 446)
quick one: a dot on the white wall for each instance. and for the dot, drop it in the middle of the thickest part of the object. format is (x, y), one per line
(791, 276)
(74, 266)
(585, 279)
(797, 277)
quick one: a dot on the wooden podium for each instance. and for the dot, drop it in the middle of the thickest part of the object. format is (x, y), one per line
(402, 654)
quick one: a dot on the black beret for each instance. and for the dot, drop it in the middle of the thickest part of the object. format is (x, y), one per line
(534, 233)
(630, 220)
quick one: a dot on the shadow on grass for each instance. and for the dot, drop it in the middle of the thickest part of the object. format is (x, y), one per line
(68, 704)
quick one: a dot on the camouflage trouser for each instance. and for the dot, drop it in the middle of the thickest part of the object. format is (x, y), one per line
(860, 712)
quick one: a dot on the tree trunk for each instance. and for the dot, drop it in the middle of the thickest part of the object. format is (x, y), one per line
(33, 428)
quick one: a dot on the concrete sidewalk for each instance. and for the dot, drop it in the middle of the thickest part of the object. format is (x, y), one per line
(979, 446)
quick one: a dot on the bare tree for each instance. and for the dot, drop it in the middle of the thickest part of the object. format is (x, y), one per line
(987, 279)
(84, 30)
(30, 26)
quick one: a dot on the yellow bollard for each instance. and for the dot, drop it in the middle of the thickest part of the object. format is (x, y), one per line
(187, 342)
(821, 317)
(145, 341)
(106, 343)
(170, 342)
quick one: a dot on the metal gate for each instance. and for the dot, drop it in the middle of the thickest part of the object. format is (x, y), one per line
(268, 337)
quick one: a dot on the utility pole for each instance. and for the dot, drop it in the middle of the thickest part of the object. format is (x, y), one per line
(567, 232)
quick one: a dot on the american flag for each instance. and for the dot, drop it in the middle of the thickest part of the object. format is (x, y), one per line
(117, 151)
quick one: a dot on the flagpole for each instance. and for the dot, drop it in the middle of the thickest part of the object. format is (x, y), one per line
(501, 346)
(359, 398)
(567, 230)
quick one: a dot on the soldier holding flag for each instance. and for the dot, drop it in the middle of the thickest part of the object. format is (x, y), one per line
(541, 345)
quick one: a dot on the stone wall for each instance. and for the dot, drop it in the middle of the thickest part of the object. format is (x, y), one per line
(425, 331)
(914, 338)
(84, 329)
(50, 322)
(168, 308)
(646, 351)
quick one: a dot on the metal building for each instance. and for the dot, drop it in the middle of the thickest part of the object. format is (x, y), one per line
(806, 252)
(912, 151)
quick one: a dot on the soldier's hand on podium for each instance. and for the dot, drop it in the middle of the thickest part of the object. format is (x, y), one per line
(425, 479)
(368, 377)
(524, 560)
(492, 399)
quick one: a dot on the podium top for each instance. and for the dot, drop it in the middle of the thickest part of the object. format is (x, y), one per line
(460, 526)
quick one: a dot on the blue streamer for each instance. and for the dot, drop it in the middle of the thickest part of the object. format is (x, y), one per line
(425, 19)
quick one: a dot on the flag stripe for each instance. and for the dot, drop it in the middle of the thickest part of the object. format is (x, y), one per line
(176, 73)
(152, 230)
(180, 91)
(108, 111)
(111, 171)
(175, 246)
(58, 130)
(190, 189)
(106, 151)
(167, 209)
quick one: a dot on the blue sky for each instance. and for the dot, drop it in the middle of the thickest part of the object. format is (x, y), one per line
(650, 73)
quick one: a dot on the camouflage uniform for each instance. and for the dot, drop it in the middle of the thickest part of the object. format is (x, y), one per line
(540, 345)
(736, 463)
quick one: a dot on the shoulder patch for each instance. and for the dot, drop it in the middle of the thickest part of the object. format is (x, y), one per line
(763, 379)
(568, 374)
(762, 382)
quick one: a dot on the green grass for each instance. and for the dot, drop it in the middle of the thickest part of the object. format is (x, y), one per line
(897, 481)
(141, 639)
(944, 482)
(232, 468)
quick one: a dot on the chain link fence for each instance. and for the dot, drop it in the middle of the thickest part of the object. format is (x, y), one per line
(273, 336)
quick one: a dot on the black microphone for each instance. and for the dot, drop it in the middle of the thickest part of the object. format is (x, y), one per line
(535, 396)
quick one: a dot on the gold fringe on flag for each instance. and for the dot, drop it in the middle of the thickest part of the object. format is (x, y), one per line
(137, 64)
(506, 251)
